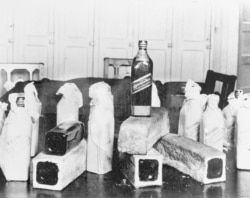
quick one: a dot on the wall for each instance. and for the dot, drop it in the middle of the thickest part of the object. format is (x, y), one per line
(224, 35)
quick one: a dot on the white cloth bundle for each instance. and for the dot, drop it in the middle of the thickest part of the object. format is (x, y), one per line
(243, 134)
(15, 142)
(34, 108)
(212, 124)
(71, 101)
(100, 129)
(3, 108)
(235, 101)
(191, 111)
(155, 97)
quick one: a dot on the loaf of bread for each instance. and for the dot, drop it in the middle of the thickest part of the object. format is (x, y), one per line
(203, 163)
(138, 134)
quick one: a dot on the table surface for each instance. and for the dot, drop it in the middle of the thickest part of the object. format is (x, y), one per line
(114, 184)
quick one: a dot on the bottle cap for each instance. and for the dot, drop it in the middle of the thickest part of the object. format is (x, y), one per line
(238, 93)
(143, 44)
(20, 100)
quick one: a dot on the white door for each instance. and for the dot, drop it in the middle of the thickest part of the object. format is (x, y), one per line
(34, 33)
(74, 38)
(191, 39)
(6, 38)
(243, 80)
(114, 31)
(155, 26)
(6, 31)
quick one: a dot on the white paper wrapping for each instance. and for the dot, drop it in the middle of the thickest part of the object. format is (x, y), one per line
(155, 97)
(15, 142)
(34, 107)
(71, 101)
(243, 135)
(100, 129)
(235, 101)
(212, 124)
(191, 111)
(3, 108)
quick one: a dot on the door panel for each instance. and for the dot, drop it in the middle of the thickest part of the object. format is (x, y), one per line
(189, 66)
(33, 33)
(6, 38)
(75, 62)
(74, 31)
(243, 80)
(191, 39)
(6, 31)
(155, 26)
(114, 31)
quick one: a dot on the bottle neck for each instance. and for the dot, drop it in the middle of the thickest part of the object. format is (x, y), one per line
(143, 47)
(142, 52)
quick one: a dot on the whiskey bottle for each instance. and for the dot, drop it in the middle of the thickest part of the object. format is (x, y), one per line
(64, 137)
(141, 82)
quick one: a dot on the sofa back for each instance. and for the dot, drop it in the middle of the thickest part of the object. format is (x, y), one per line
(47, 94)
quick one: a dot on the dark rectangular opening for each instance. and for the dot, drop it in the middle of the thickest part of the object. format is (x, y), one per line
(47, 173)
(214, 168)
(148, 169)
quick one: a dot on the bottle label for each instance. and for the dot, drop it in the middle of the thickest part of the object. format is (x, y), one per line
(141, 83)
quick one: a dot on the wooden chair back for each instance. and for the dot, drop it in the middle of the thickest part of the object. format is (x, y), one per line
(225, 83)
(121, 67)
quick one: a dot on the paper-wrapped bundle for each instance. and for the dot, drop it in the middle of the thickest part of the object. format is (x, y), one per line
(243, 135)
(100, 129)
(34, 108)
(235, 101)
(3, 108)
(191, 111)
(155, 97)
(15, 140)
(137, 135)
(203, 163)
(71, 101)
(212, 124)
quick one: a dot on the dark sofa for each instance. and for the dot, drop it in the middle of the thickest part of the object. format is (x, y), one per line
(121, 93)
(47, 94)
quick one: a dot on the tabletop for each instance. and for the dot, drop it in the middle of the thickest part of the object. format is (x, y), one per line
(114, 184)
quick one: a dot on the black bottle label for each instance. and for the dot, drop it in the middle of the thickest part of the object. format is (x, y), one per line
(141, 83)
